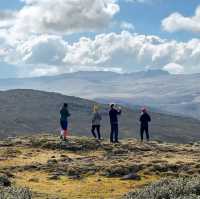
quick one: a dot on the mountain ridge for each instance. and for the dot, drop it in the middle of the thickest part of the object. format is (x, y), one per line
(178, 94)
(26, 112)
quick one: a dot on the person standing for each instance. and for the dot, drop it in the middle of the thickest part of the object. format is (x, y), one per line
(144, 124)
(96, 122)
(64, 114)
(113, 113)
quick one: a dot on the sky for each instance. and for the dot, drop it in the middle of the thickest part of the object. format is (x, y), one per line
(45, 37)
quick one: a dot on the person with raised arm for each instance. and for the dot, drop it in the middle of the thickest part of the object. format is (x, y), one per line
(113, 113)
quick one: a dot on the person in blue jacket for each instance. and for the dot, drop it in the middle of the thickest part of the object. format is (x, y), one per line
(113, 113)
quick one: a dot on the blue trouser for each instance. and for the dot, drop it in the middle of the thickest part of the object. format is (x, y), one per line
(114, 133)
(146, 130)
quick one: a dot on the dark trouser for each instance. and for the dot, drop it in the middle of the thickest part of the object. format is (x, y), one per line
(146, 130)
(97, 127)
(114, 133)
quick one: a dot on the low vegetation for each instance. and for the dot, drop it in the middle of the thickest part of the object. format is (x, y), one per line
(86, 168)
(15, 193)
(181, 188)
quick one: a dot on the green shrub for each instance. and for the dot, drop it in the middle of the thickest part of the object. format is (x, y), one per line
(15, 193)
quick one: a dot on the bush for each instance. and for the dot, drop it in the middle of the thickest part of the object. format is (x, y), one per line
(15, 193)
(181, 188)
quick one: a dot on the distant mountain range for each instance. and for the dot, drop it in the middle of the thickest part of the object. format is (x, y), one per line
(25, 112)
(178, 94)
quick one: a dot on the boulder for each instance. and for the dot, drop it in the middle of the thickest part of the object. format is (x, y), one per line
(131, 176)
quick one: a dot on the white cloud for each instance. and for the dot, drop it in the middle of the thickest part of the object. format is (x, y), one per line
(7, 18)
(127, 26)
(174, 68)
(43, 71)
(124, 52)
(65, 16)
(131, 52)
(44, 49)
(178, 22)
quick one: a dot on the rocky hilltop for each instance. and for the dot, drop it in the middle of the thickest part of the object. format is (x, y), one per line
(43, 167)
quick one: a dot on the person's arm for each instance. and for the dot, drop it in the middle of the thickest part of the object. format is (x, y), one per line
(119, 111)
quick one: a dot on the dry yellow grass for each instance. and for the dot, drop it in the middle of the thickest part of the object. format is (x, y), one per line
(27, 156)
(93, 187)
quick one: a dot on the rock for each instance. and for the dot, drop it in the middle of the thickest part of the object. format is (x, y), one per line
(31, 167)
(159, 168)
(8, 174)
(4, 181)
(34, 180)
(53, 161)
(121, 170)
(75, 177)
(63, 156)
(54, 177)
(66, 159)
(131, 176)
(119, 151)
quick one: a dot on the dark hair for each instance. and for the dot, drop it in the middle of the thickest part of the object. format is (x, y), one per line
(65, 105)
(112, 106)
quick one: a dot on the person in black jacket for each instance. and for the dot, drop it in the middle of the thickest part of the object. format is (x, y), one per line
(113, 113)
(144, 127)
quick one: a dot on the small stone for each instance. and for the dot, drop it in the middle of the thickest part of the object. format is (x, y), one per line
(131, 176)
(54, 177)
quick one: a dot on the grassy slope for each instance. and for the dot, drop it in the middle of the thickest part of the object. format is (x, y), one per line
(25, 112)
(33, 160)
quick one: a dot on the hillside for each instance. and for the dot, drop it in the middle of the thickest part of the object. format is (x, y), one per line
(178, 94)
(24, 112)
(87, 169)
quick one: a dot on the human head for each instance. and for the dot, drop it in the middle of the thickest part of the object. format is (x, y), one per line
(143, 110)
(65, 105)
(95, 108)
(112, 106)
